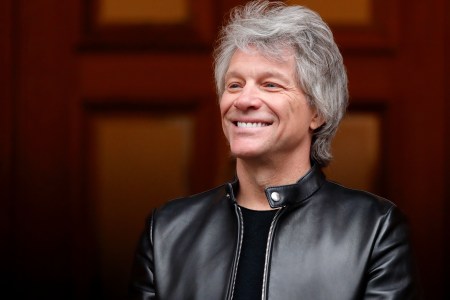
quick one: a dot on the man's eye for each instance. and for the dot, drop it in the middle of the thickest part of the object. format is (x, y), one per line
(271, 85)
(233, 86)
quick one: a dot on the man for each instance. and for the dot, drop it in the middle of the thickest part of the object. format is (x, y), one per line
(280, 230)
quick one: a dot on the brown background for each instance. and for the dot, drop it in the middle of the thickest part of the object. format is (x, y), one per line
(74, 93)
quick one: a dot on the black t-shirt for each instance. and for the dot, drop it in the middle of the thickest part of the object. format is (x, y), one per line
(250, 271)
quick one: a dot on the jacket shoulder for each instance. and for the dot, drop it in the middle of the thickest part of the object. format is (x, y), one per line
(344, 196)
(192, 205)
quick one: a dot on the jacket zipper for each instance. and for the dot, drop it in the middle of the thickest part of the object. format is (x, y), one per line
(238, 252)
(268, 252)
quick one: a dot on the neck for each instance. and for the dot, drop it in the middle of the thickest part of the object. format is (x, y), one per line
(256, 176)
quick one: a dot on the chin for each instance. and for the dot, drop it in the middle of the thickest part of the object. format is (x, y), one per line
(246, 154)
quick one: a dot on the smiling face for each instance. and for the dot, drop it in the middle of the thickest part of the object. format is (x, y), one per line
(265, 114)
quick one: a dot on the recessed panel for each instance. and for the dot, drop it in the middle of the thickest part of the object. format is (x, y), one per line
(113, 12)
(342, 12)
(357, 152)
(139, 163)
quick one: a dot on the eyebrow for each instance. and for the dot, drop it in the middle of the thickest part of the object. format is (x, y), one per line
(264, 74)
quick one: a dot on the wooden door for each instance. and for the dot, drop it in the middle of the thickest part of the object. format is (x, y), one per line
(107, 111)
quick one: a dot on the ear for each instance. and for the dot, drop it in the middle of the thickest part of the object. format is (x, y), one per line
(316, 121)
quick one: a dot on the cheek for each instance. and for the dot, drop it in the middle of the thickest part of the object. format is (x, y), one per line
(300, 116)
(224, 105)
(224, 108)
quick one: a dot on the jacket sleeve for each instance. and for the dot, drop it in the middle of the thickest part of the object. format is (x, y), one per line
(392, 274)
(142, 281)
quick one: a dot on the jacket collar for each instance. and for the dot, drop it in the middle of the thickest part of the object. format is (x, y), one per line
(284, 195)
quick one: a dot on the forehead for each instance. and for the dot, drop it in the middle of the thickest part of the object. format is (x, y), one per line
(253, 61)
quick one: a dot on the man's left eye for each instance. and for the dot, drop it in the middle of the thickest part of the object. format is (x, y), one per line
(271, 85)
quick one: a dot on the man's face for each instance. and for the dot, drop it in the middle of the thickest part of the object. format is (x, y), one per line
(265, 114)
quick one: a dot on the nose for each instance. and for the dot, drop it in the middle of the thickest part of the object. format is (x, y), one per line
(248, 98)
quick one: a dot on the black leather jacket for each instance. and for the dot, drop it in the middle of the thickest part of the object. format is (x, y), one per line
(325, 242)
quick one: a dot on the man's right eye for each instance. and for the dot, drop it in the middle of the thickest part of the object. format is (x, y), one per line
(233, 86)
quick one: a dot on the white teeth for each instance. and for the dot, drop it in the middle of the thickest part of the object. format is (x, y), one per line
(250, 125)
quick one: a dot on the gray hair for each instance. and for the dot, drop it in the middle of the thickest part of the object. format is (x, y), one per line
(270, 27)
